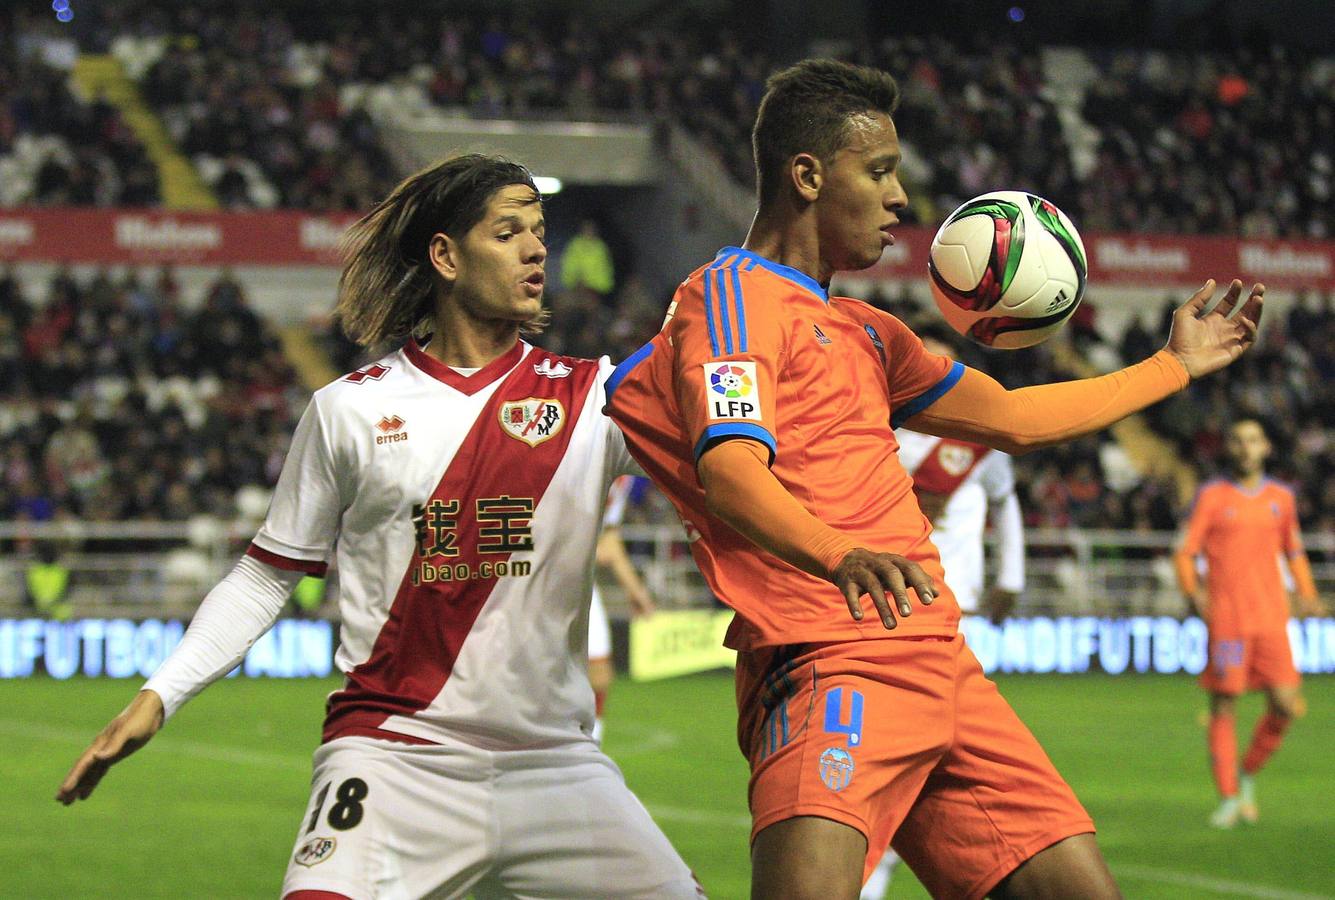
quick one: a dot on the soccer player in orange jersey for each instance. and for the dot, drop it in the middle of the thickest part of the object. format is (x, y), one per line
(1242, 527)
(765, 410)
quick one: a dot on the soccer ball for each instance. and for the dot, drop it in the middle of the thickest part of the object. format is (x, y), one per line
(1008, 268)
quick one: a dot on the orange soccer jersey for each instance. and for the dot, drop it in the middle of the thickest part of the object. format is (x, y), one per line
(1242, 535)
(759, 350)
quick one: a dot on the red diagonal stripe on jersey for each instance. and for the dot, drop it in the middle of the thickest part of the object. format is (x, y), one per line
(416, 649)
(934, 474)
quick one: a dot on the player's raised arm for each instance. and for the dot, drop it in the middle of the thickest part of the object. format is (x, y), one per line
(980, 409)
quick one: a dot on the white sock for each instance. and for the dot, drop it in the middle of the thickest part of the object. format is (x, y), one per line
(598, 730)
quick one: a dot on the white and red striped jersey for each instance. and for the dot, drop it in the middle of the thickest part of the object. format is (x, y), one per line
(463, 511)
(974, 477)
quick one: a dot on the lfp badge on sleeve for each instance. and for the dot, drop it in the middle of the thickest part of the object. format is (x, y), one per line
(731, 390)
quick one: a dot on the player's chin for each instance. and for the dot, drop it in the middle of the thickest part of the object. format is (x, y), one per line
(861, 257)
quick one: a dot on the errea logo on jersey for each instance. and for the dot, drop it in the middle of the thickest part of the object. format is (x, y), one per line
(391, 430)
(731, 390)
(533, 420)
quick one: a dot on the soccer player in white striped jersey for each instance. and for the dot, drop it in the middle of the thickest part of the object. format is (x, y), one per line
(460, 483)
(960, 486)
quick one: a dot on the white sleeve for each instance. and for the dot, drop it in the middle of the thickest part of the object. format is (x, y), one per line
(617, 498)
(233, 616)
(302, 524)
(998, 479)
(1009, 524)
(997, 476)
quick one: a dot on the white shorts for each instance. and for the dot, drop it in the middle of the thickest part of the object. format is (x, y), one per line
(600, 633)
(391, 820)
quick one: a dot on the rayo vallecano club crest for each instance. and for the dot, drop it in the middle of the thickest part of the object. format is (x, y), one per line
(533, 420)
(954, 458)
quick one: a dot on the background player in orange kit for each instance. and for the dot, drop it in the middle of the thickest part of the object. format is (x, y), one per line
(764, 409)
(1242, 526)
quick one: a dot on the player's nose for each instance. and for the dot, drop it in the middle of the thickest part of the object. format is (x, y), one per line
(896, 198)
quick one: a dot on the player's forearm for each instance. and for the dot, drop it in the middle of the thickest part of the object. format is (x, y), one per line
(1184, 564)
(1010, 545)
(742, 491)
(1302, 578)
(612, 555)
(232, 617)
(980, 409)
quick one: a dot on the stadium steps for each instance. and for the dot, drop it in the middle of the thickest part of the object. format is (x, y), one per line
(98, 75)
(306, 356)
(1151, 454)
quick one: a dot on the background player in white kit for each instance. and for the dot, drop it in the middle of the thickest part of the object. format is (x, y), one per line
(612, 556)
(461, 481)
(960, 485)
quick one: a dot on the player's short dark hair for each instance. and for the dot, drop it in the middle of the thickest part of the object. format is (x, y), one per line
(1260, 422)
(806, 109)
(388, 285)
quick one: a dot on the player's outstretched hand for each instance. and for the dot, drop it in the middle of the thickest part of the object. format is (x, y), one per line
(125, 734)
(1206, 342)
(865, 572)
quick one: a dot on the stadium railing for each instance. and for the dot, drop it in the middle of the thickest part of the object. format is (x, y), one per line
(146, 568)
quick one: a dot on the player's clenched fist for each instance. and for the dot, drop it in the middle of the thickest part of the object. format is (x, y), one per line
(866, 572)
(125, 734)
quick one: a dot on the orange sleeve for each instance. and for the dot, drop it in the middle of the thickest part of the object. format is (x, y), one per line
(1296, 555)
(729, 353)
(742, 491)
(916, 377)
(1184, 560)
(980, 409)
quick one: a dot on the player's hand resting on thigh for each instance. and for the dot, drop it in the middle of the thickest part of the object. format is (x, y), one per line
(1206, 343)
(866, 572)
(125, 734)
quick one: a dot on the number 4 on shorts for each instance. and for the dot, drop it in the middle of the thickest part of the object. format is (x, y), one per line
(834, 715)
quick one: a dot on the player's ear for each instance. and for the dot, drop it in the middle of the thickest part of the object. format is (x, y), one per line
(443, 254)
(808, 175)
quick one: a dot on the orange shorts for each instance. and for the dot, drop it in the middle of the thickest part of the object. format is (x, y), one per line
(1250, 663)
(902, 738)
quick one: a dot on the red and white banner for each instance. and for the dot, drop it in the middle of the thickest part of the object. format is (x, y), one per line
(290, 238)
(119, 236)
(1153, 260)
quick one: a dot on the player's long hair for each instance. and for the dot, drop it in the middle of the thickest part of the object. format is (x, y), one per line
(806, 109)
(387, 290)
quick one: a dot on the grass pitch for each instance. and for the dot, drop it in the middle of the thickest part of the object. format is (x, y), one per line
(211, 807)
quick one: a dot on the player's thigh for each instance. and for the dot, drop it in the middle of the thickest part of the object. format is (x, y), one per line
(572, 828)
(994, 801)
(842, 732)
(383, 821)
(807, 858)
(1226, 669)
(1271, 667)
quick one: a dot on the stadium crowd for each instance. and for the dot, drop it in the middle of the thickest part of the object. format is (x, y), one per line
(120, 401)
(271, 104)
(100, 376)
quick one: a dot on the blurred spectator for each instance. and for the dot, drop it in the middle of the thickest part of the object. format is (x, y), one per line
(586, 263)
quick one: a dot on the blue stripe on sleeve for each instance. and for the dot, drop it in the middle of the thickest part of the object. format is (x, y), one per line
(735, 429)
(619, 374)
(709, 314)
(928, 397)
(721, 288)
(741, 310)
